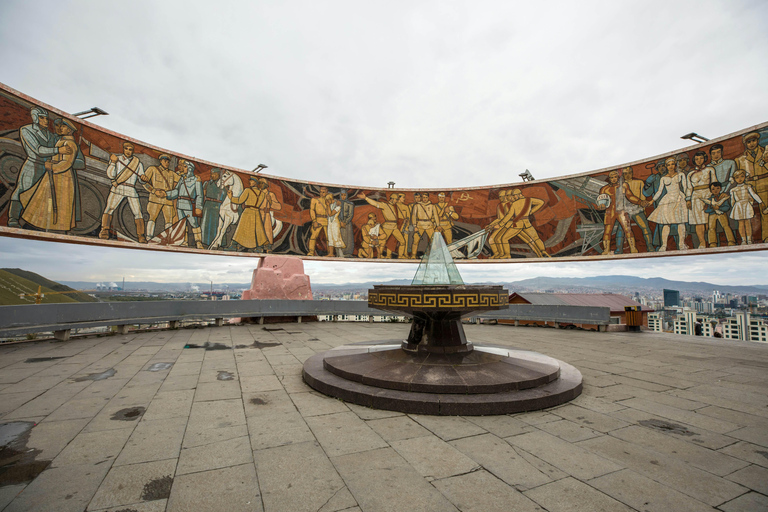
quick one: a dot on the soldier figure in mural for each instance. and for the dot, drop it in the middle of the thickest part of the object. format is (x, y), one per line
(389, 228)
(213, 196)
(53, 203)
(494, 228)
(160, 178)
(634, 210)
(39, 145)
(753, 162)
(318, 212)
(189, 201)
(517, 223)
(425, 221)
(718, 206)
(672, 209)
(697, 194)
(346, 216)
(123, 170)
(446, 215)
(371, 239)
(742, 211)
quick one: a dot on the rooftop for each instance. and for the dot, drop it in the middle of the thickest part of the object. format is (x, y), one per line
(220, 419)
(614, 301)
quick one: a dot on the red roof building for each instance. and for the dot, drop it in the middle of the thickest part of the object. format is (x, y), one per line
(614, 301)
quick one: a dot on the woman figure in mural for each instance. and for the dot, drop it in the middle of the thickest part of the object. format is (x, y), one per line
(250, 232)
(742, 197)
(671, 209)
(697, 196)
(53, 202)
(336, 243)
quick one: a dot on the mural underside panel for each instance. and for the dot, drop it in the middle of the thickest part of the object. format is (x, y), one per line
(67, 180)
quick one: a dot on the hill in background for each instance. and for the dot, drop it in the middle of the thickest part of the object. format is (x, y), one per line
(14, 281)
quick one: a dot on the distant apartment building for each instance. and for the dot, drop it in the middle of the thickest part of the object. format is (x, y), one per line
(741, 326)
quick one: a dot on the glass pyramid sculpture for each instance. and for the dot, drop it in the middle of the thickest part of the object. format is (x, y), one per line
(437, 265)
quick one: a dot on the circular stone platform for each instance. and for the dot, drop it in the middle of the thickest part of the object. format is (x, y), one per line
(491, 379)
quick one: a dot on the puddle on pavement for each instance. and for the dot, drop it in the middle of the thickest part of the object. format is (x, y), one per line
(158, 367)
(209, 346)
(17, 462)
(44, 359)
(97, 376)
(225, 376)
(157, 489)
(130, 414)
(259, 344)
(666, 426)
(259, 401)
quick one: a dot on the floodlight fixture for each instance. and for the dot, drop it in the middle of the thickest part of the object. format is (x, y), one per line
(695, 137)
(259, 168)
(527, 176)
(391, 184)
(95, 111)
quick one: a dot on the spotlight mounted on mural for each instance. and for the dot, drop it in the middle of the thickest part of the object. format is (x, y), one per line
(391, 184)
(527, 176)
(695, 137)
(95, 111)
(259, 168)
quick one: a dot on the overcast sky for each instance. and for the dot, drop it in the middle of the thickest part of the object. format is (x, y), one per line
(425, 94)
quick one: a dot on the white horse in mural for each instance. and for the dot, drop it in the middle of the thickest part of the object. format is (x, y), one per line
(228, 213)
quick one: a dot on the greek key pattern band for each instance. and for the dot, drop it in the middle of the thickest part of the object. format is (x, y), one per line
(462, 300)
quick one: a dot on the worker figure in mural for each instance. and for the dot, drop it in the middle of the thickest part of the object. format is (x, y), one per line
(718, 207)
(53, 203)
(123, 171)
(634, 210)
(39, 145)
(697, 194)
(250, 232)
(335, 241)
(671, 210)
(753, 162)
(346, 216)
(619, 204)
(318, 212)
(160, 178)
(724, 168)
(409, 227)
(517, 223)
(494, 228)
(228, 211)
(389, 228)
(213, 195)
(424, 218)
(446, 214)
(403, 217)
(371, 239)
(267, 204)
(189, 202)
(742, 211)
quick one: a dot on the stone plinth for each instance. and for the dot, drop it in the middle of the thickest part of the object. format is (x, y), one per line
(279, 277)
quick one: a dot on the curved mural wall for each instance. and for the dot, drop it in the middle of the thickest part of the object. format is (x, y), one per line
(66, 180)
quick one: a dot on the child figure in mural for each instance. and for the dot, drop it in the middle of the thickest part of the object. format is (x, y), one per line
(53, 203)
(335, 241)
(672, 209)
(742, 197)
(718, 206)
(698, 192)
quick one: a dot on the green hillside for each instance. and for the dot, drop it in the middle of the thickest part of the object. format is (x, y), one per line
(14, 281)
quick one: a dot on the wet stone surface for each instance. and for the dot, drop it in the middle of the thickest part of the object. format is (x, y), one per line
(98, 376)
(209, 346)
(666, 426)
(158, 367)
(157, 489)
(43, 359)
(17, 462)
(259, 345)
(130, 414)
(225, 376)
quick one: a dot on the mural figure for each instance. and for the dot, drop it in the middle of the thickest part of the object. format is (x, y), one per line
(494, 228)
(250, 232)
(39, 146)
(409, 227)
(724, 169)
(318, 212)
(682, 163)
(160, 178)
(335, 241)
(267, 204)
(346, 216)
(635, 211)
(123, 170)
(189, 201)
(517, 223)
(611, 195)
(424, 217)
(229, 212)
(753, 162)
(697, 194)
(446, 214)
(389, 228)
(718, 206)
(213, 195)
(53, 203)
(742, 197)
(671, 210)
(370, 232)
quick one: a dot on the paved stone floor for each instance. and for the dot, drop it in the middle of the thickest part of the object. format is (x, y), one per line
(665, 423)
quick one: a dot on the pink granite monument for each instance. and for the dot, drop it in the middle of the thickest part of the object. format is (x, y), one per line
(279, 277)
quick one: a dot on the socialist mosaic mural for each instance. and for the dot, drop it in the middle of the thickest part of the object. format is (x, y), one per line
(66, 180)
